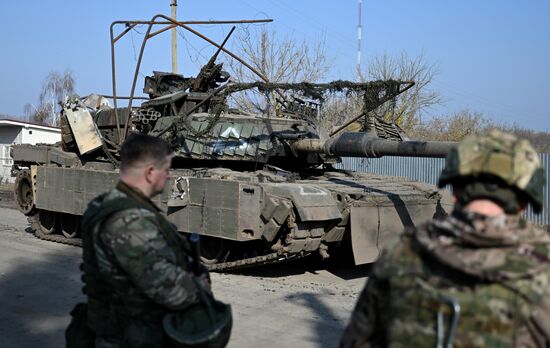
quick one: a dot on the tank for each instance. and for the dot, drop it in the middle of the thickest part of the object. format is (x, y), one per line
(258, 188)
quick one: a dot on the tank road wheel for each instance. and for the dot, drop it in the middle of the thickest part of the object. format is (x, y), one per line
(45, 222)
(24, 193)
(212, 250)
(70, 225)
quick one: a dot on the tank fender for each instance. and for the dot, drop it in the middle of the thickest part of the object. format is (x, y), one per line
(374, 225)
(365, 225)
(44, 154)
(312, 203)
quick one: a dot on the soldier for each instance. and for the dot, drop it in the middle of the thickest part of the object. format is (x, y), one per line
(136, 266)
(479, 277)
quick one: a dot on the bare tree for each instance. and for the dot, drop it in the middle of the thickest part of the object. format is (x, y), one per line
(288, 60)
(279, 60)
(55, 89)
(454, 127)
(339, 108)
(465, 122)
(540, 140)
(406, 109)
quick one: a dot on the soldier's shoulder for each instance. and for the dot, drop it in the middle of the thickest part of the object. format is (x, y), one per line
(104, 198)
(130, 228)
(534, 246)
(130, 218)
(125, 217)
(530, 264)
(113, 195)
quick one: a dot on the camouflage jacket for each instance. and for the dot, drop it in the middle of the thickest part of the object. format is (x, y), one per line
(462, 281)
(135, 268)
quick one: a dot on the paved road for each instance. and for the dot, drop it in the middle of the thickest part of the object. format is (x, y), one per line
(293, 305)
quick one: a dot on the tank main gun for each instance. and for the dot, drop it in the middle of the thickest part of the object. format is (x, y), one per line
(367, 144)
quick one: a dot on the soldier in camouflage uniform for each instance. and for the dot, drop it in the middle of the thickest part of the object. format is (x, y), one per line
(479, 277)
(136, 267)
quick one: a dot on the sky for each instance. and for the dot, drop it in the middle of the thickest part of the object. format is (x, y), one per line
(492, 56)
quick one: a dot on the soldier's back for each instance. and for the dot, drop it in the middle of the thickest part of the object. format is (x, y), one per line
(435, 292)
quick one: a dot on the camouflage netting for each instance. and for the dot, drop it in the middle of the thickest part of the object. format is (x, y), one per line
(318, 90)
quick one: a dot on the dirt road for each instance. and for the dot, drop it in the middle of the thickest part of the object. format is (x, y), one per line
(293, 305)
(6, 197)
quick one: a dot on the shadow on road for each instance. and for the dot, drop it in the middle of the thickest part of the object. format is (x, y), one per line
(340, 264)
(327, 327)
(37, 293)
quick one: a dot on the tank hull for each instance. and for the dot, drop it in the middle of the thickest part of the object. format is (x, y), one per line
(249, 218)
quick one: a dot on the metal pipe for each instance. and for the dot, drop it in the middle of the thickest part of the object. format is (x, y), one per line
(128, 28)
(238, 21)
(136, 73)
(124, 97)
(205, 100)
(113, 78)
(160, 31)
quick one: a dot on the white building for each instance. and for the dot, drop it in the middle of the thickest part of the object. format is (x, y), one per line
(18, 132)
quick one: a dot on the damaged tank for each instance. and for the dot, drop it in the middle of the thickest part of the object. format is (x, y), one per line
(258, 188)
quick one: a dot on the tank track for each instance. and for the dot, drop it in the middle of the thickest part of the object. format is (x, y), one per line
(252, 261)
(217, 267)
(57, 238)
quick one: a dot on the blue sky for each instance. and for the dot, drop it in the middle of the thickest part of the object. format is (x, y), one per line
(493, 55)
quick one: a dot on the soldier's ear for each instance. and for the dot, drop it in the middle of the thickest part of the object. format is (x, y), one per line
(148, 173)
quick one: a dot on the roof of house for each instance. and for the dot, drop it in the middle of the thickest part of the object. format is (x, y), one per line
(9, 122)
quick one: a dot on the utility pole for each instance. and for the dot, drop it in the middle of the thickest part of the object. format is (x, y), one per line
(174, 5)
(359, 35)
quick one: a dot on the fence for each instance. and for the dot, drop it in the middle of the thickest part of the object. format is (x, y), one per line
(5, 168)
(428, 169)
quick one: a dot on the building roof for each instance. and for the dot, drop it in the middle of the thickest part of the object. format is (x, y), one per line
(9, 122)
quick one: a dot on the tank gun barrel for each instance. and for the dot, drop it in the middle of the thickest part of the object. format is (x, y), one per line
(364, 144)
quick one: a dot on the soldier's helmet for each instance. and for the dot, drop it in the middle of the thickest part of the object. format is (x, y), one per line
(206, 324)
(500, 157)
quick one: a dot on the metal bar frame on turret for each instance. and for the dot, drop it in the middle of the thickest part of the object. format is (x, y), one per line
(169, 23)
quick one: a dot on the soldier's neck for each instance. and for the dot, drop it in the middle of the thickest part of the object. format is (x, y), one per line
(142, 186)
